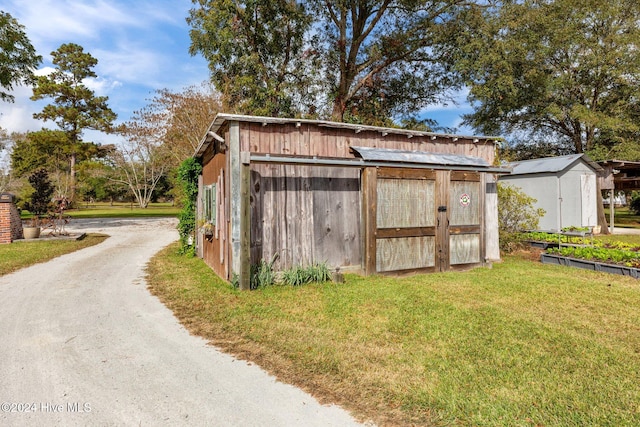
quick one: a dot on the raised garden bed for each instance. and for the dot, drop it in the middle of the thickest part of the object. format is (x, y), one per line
(542, 245)
(590, 265)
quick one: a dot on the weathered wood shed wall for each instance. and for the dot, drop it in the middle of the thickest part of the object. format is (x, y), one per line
(301, 191)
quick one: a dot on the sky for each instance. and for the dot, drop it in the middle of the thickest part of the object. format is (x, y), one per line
(141, 47)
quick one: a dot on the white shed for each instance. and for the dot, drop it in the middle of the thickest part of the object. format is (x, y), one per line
(565, 187)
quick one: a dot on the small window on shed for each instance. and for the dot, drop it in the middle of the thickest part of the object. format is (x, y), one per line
(209, 202)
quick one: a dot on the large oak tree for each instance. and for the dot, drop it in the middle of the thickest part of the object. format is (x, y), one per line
(365, 60)
(564, 70)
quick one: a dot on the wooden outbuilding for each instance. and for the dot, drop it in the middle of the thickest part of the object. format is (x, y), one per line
(358, 198)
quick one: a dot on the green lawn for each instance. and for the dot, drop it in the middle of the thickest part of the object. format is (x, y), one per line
(18, 255)
(118, 210)
(520, 344)
(623, 217)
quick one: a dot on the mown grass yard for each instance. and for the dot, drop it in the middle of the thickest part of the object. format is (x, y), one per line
(22, 254)
(520, 344)
(117, 210)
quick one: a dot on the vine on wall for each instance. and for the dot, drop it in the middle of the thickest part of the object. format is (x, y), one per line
(188, 173)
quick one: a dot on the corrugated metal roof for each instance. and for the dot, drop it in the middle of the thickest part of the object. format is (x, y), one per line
(421, 157)
(550, 164)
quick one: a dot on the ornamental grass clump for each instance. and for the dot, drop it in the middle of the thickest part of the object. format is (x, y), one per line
(298, 275)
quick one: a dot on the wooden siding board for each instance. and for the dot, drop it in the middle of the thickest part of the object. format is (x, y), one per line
(369, 214)
(464, 249)
(336, 206)
(405, 203)
(442, 222)
(460, 212)
(212, 249)
(296, 205)
(393, 254)
(312, 140)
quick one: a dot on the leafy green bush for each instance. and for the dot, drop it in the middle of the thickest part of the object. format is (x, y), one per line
(634, 206)
(516, 213)
(40, 201)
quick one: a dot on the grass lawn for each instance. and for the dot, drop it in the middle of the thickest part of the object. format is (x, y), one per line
(520, 344)
(623, 217)
(118, 210)
(18, 255)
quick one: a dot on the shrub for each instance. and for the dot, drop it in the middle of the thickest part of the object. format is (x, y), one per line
(40, 200)
(516, 213)
(634, 206)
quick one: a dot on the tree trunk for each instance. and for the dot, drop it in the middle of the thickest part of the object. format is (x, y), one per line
(72, 189)
(602, 219)
(337, 115)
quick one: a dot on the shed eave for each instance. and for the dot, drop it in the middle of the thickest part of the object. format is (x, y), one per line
(221, 118)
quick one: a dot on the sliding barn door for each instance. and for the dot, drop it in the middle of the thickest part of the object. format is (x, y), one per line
(405, 220)
(423, 220)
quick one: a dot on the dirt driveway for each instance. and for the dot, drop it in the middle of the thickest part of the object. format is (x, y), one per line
(82, 342)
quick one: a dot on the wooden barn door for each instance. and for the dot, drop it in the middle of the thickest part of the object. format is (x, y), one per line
(423, 220)
(465, 209)
(405, 220)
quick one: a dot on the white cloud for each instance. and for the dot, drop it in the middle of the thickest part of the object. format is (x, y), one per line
(18, 116)
(45, 71)
(101, 86)
(51, 22)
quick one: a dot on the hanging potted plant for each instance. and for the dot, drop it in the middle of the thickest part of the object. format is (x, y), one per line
(38, 203)
(206, 228)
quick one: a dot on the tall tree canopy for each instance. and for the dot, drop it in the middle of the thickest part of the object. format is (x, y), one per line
(18, 58)
(180, 119)
(365, 60)
(569, 69)
(75, 107)
(254, 49)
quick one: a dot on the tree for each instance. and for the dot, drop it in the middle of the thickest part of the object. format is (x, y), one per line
(75, 107)
(97, 182)
(569, 68)
(366, 60)
(51, 150)
(395, 50)
(141, 161)
(43, 149)
(40, 200)
(254, 49)
(181, 118)
(18, 57)
(6, 142)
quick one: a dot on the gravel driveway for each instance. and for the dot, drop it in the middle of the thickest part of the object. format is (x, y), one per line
(82, 342)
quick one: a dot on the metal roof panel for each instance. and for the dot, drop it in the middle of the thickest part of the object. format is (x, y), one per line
(406, 156)
(550, 164)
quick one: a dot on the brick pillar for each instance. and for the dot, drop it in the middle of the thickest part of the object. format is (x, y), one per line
(10, 223)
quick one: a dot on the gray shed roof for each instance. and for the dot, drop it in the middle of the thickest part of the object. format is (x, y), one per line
(551, 164)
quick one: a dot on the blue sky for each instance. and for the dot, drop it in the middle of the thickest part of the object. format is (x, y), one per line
(141, 46)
